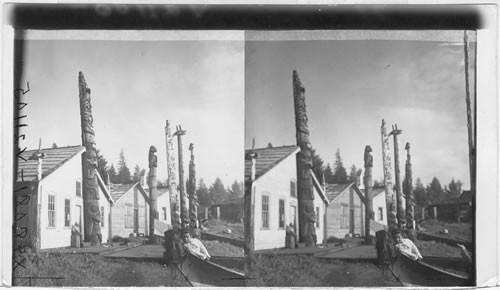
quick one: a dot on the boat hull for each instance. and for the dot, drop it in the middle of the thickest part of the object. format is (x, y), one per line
(413, 273)
(205, 273)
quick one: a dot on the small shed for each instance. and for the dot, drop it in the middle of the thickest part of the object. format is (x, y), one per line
(457, 209)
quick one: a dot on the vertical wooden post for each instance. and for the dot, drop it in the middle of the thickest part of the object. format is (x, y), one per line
(435, 212)
(368, 183)
(90, 188)
(408, 190)
(249, 208)
(218, 212)
(184, 200)
(193, 198)
(305, 192)
(399, 190)
(389, 193)
(470, 118)
(152, 183)
(175, 210)
(206, 213)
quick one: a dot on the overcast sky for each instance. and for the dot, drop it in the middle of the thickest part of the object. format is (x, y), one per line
(135, 87)
(350, 86)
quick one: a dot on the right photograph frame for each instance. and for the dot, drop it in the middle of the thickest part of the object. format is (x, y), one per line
(360, 158)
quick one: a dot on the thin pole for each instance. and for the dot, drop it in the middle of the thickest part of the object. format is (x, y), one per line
(172, 179)
(184, 200)
(152, 183)
(368, 182)
(399, 190)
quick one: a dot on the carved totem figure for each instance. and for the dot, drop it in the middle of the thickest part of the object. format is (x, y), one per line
(408, 190)
(184, 199)
(193, 198)
(92, 214)
(152, 183)
(305, 194)
(400, 200)
(175, 208)
(389, 193)
(368, 191)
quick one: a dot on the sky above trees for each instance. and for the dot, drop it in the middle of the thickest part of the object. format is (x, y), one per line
(350, 86)
(136, 85)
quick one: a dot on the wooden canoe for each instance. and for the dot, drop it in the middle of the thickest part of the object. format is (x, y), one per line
(202, 273)
(415, 273)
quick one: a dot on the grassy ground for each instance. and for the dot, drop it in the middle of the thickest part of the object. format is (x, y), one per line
(216, 248)
(93, 270)
(218, 226)
(307, 271)
(462, 230)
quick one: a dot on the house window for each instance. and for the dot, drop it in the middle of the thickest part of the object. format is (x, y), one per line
(52, 211)
(78, 188)
(380, 214)
(293, 188)
(265, 212)
(128, 216)
(317, 217)
(164, 211)
(67, 213)
(344, 216)
(102, 216)
(282, 214)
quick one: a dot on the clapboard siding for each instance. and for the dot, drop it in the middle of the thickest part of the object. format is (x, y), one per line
(352, 201)
(135, 200)
(276, 184)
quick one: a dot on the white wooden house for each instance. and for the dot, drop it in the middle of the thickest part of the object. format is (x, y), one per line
(55, 200)
(274, 197)
(130, 211)
(346, 212)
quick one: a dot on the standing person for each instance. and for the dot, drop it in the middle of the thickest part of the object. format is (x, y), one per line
(290, 237)
(194, 246)
(406, 246)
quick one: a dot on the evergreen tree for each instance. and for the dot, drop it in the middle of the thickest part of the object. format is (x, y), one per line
(353, 176)
(112, 174)
(138, 173)
(420, 193)
(102, 166)
(434, 191)
(329, 174)
(269, 145)
(340, 174)
(236, 189)
(54, 145)
(317, 164)
(123, 171)
(203, 195)
(454, 188)
(217, 191)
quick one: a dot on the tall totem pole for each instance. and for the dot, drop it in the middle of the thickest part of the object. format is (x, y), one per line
(172, 179)
(152, 183)
(92, 213)
(400, 200)
(368, 182)
(389, 193)
(193, 198)
(184, 200)
(305, 193)
(408, 190)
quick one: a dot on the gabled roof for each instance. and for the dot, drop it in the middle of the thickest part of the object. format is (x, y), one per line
(104, 188)
(375, 191)
(268, 158)
(319, 187)
(54, 158)
(335, 190)
(119, 190)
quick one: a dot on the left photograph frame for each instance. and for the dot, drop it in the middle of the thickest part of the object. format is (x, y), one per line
(164, 101)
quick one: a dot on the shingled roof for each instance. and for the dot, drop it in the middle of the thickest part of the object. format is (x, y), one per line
(118, 190)
(54, 158)
(334, 190)
(268, 158)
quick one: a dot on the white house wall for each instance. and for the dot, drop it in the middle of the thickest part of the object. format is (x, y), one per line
(379, 202)
(104, 204)
(62, 184)
(320, 227)
(276, 184)
(163, 201)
